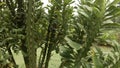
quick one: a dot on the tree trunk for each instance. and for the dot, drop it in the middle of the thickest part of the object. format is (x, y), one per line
(30, 36)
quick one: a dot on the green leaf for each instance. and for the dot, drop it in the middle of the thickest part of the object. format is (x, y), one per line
(107, 21)
(99, 50)
(111, 25)
(95, 9)
(66, 52)
(96, 61)
(66, 2)
(112, 11)
(2, 3)
(86, 7)
(81, 27)
(114, 2)
(1, 55)
(73, 44)
(101, 5)
(84, 14)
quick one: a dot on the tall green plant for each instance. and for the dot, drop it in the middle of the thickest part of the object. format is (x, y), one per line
(93, 16)
(57, 29)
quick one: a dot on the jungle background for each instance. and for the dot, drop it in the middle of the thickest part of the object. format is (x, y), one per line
(60, 35)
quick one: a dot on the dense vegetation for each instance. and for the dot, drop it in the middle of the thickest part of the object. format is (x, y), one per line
(25, 25)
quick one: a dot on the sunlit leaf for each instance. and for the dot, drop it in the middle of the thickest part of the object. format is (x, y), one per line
(96, 61)
(84, 14)
(73, 44)
(111, 25)
(114, 2)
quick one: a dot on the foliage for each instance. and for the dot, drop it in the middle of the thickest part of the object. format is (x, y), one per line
(56, 28)
(93, 22)
(109, 60)
(7, 35)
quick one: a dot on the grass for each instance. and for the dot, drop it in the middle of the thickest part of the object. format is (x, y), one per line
(54, 62)
(55, 58)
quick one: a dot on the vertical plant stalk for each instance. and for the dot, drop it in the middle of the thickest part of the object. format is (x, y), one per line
(45, 49)
(30, 36)
(44, 54)
(39, 60)
(50, 44)
(53, 27)
(50, 47)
